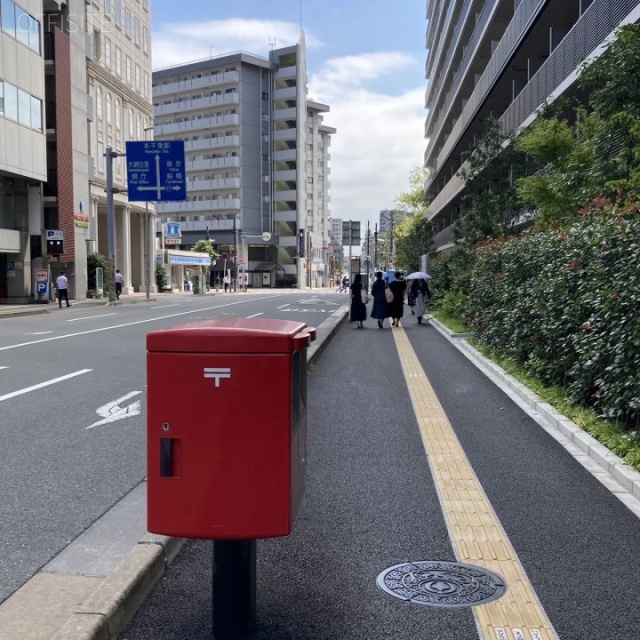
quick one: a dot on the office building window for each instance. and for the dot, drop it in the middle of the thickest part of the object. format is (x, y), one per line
(128, 29)
(10, 101)
(117, 9)
(36, 113)
(18, 24)
(8, 12)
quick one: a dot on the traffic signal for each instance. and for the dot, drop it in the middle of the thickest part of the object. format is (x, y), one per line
(55, 247)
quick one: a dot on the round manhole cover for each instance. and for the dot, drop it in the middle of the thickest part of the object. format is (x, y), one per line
(441, 584)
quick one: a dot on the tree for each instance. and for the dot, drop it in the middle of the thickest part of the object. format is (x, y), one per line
(413, 234)
(206, 246)
(490, 206)
(595, 153)
(413, 240)
(559, 187)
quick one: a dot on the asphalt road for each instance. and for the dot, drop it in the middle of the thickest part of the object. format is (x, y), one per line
(371, 503)
(72, 411)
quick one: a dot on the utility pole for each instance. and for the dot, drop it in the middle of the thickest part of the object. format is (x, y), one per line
(375, 248)
(111, 223)
(350, 243)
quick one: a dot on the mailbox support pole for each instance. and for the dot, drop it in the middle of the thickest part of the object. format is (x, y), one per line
(234, 589)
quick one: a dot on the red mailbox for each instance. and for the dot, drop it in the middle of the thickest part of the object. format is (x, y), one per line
(226, 428)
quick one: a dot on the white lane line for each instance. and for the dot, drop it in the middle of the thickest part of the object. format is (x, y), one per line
(255, 315)
(129, 324)
(44, 384)
(166, 306)
(283, 306)
(102, 315)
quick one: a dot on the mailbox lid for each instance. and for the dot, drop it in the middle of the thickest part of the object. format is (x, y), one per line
(233, 335)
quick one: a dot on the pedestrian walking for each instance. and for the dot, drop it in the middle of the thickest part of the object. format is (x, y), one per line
(226, 281)
(420, 294)
(119, 280)
(62, 285)
(358, 311)
(398, 287)
(380, 308)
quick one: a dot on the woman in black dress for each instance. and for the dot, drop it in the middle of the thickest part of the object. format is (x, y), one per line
(396, 308)
(358, 311)
(380, 309)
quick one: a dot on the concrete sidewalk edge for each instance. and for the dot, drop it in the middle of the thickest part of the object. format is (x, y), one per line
(626, 480)
(108, 610)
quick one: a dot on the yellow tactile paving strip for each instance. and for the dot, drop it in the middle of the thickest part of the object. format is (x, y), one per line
(476, 533)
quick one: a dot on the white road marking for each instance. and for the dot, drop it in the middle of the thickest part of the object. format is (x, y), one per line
(112, 411)
(129, 324)
(255, 315)
(38, 333)
(166, 306)
(283, 306)
(102, 315)
(318, 301)
(43, 384)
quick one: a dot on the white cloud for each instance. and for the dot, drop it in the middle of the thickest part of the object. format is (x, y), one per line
(183, 42)
(379, 139)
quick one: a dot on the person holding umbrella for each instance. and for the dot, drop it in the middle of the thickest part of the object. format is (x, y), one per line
(419, 292)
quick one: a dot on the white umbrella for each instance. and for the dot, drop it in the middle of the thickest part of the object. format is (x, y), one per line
(416, 275)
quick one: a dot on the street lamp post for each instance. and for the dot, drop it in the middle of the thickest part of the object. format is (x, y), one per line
(147, 241)
(375, 248)
(235, 252)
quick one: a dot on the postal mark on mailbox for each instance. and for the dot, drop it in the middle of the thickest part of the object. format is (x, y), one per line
(217, 373)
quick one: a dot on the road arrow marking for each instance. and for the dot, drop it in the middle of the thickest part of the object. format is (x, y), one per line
(112, 411)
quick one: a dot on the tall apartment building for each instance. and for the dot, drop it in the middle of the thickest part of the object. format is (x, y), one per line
(502, 60)
(23, 149)
(257, 164)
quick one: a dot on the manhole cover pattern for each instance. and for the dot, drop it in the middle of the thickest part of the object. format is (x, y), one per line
(441, 584)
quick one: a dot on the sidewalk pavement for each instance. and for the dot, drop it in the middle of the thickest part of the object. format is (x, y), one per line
(92, 589)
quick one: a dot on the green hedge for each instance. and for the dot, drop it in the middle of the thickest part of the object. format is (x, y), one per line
(565, 305)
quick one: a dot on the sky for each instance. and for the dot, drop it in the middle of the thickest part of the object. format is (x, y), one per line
(365, 60)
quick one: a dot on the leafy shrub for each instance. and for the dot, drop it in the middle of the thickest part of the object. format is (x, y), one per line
(161, 277)
(564, 304)
(94, 261)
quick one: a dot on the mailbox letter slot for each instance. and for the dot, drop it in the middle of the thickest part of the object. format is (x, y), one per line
(170, 458)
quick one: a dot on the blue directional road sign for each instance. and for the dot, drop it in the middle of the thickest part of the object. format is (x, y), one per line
(156, 170)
